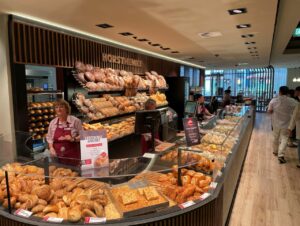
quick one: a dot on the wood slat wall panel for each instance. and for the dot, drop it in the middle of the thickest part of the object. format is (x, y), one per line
(33, 44)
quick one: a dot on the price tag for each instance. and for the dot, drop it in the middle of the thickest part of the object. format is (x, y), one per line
(186, 204)
(91, 220)
(204, 196)
(53, 219)
(23, 213)
(213, 185)
(149, 155)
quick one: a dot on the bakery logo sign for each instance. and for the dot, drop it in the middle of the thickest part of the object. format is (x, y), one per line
(121, 60)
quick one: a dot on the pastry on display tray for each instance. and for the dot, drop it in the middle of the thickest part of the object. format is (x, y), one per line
(194, 184)
(225, 129)
(200, 162)
(213, 138)
(164, 146)
(67, 196)
(132, 199)
(115, 130)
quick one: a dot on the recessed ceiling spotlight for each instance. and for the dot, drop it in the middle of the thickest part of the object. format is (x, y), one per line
(104, 25)
(237, 11)
(250, 43)
(212, 34)
(241, 26)
(242, 64)
(143, 40)
(125, 33)
(155, 44)
(164, 48)
(174, 52)
(247, 36)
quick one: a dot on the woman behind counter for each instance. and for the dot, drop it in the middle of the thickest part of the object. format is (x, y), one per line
(63, 133)
(201, 110)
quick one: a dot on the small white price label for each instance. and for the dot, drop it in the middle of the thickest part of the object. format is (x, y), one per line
(186, 204)
(149, 155)
(23, 213)
(53, 219)
(204, 196)
(213, 185)
(92, 220)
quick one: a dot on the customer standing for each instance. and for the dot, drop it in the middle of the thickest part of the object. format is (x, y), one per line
(281, 109)
(295, 122)
(63, 134)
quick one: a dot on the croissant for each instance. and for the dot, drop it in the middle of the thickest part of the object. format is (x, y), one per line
(87, 213)
(38, 208)
(99, 210)
(51, 208)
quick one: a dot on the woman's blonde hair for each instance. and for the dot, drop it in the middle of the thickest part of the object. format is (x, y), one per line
(61, 102)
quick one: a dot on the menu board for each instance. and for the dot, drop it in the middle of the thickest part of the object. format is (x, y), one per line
(191, 131)
(94, 149)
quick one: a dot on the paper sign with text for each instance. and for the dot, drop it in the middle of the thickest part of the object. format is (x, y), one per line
(191, 130)
(94, 149)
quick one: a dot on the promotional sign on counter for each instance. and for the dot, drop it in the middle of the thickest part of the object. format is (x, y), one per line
(191, 131)
(94, 149)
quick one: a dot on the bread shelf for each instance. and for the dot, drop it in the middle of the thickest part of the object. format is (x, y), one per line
(44, 92)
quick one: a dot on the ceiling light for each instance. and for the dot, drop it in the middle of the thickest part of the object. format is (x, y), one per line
(125, 33)
(164, 48)
(155, 44)
(102, 39)
(143, 40)
(250, 43)
(241, 26)
(247, 36)
(104, 25)
(210, 34)
(174, 52)
(242, 64)
(237, 11)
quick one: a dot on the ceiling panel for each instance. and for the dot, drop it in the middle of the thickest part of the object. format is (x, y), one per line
(173, 24)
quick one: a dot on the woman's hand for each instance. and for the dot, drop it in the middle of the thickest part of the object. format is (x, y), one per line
(67, 138)
(52, 152)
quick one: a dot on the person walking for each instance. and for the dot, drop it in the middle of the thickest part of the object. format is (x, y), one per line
(281, 109)
(295, 122)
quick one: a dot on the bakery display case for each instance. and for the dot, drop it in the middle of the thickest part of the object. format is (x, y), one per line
(178, 183)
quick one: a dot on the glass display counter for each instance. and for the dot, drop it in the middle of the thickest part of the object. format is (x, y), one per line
(182, 184)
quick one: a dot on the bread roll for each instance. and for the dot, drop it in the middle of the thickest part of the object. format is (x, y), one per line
(42, 192)
(63, 213)
(74, 215)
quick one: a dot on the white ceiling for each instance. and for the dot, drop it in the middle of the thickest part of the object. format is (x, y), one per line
(176, 24)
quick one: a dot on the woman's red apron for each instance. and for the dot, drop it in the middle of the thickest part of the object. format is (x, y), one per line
(66, 149)
(147, 144)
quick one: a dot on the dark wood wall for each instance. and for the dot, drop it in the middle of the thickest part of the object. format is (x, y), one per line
(33, 44)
